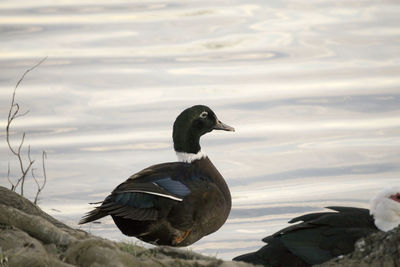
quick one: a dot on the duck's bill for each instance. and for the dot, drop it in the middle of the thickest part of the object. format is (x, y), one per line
(222, 126)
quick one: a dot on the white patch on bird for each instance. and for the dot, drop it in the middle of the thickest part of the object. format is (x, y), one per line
(190, 157)
(204, 115)
(156, 194)
(385, 210)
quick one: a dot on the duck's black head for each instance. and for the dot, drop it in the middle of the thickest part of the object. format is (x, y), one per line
(191, 124)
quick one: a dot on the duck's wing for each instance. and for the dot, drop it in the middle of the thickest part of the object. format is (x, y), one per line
(144, 194)
(322, 236)
(273, 254)
(154, 182)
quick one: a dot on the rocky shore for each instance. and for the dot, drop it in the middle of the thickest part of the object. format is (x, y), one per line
(30, 237)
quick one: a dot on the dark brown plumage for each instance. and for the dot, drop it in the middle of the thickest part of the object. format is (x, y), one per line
(174, 203)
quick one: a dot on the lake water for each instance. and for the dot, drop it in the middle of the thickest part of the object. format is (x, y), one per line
(312, 88)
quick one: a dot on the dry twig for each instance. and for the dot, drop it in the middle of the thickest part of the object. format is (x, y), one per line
(40, 187)
(14, 113)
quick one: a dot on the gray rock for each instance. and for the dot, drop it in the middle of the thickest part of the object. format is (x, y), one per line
(379, 250)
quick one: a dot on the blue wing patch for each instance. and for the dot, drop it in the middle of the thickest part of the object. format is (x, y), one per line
(144, 200)
(173, 186)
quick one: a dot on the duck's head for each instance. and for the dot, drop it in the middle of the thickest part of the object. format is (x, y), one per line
(385, 207)
(191, 124)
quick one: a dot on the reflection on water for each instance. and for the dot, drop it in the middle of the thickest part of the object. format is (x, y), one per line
(312, 88)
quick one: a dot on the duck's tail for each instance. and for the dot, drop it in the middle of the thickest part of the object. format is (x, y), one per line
(93, 215)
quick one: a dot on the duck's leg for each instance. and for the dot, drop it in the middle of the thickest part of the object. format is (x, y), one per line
(182, 236)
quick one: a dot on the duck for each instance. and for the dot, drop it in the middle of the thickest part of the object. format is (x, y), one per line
(319, 237)
(174, 203)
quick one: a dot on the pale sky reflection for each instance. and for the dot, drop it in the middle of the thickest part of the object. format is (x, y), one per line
(312, 88)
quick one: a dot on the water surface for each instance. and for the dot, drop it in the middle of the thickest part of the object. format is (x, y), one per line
(312, 88)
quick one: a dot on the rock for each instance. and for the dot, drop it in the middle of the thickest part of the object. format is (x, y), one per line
(99, 252)
(23, 250)
(31, 237)
(380, 249)
(35, 226)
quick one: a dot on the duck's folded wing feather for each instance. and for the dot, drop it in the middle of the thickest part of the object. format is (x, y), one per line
(343, 216)
(144, 194)
(129, 212)
(164, 187)
(134, 206)
(141, 199)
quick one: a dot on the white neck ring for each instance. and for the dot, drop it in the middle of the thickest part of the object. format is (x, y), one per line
(190, 157)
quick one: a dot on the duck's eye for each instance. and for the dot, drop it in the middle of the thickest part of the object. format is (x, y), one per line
(398, 196)
(204, 115)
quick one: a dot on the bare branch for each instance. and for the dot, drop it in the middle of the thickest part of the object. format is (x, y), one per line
(29, 152)
(34, 176)
(37, 183)
(40, 188)
(13, 113)
(26, 72)
(25, 171)
(20, 115)
(21, 144)
(44, 156)
(8, 177)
